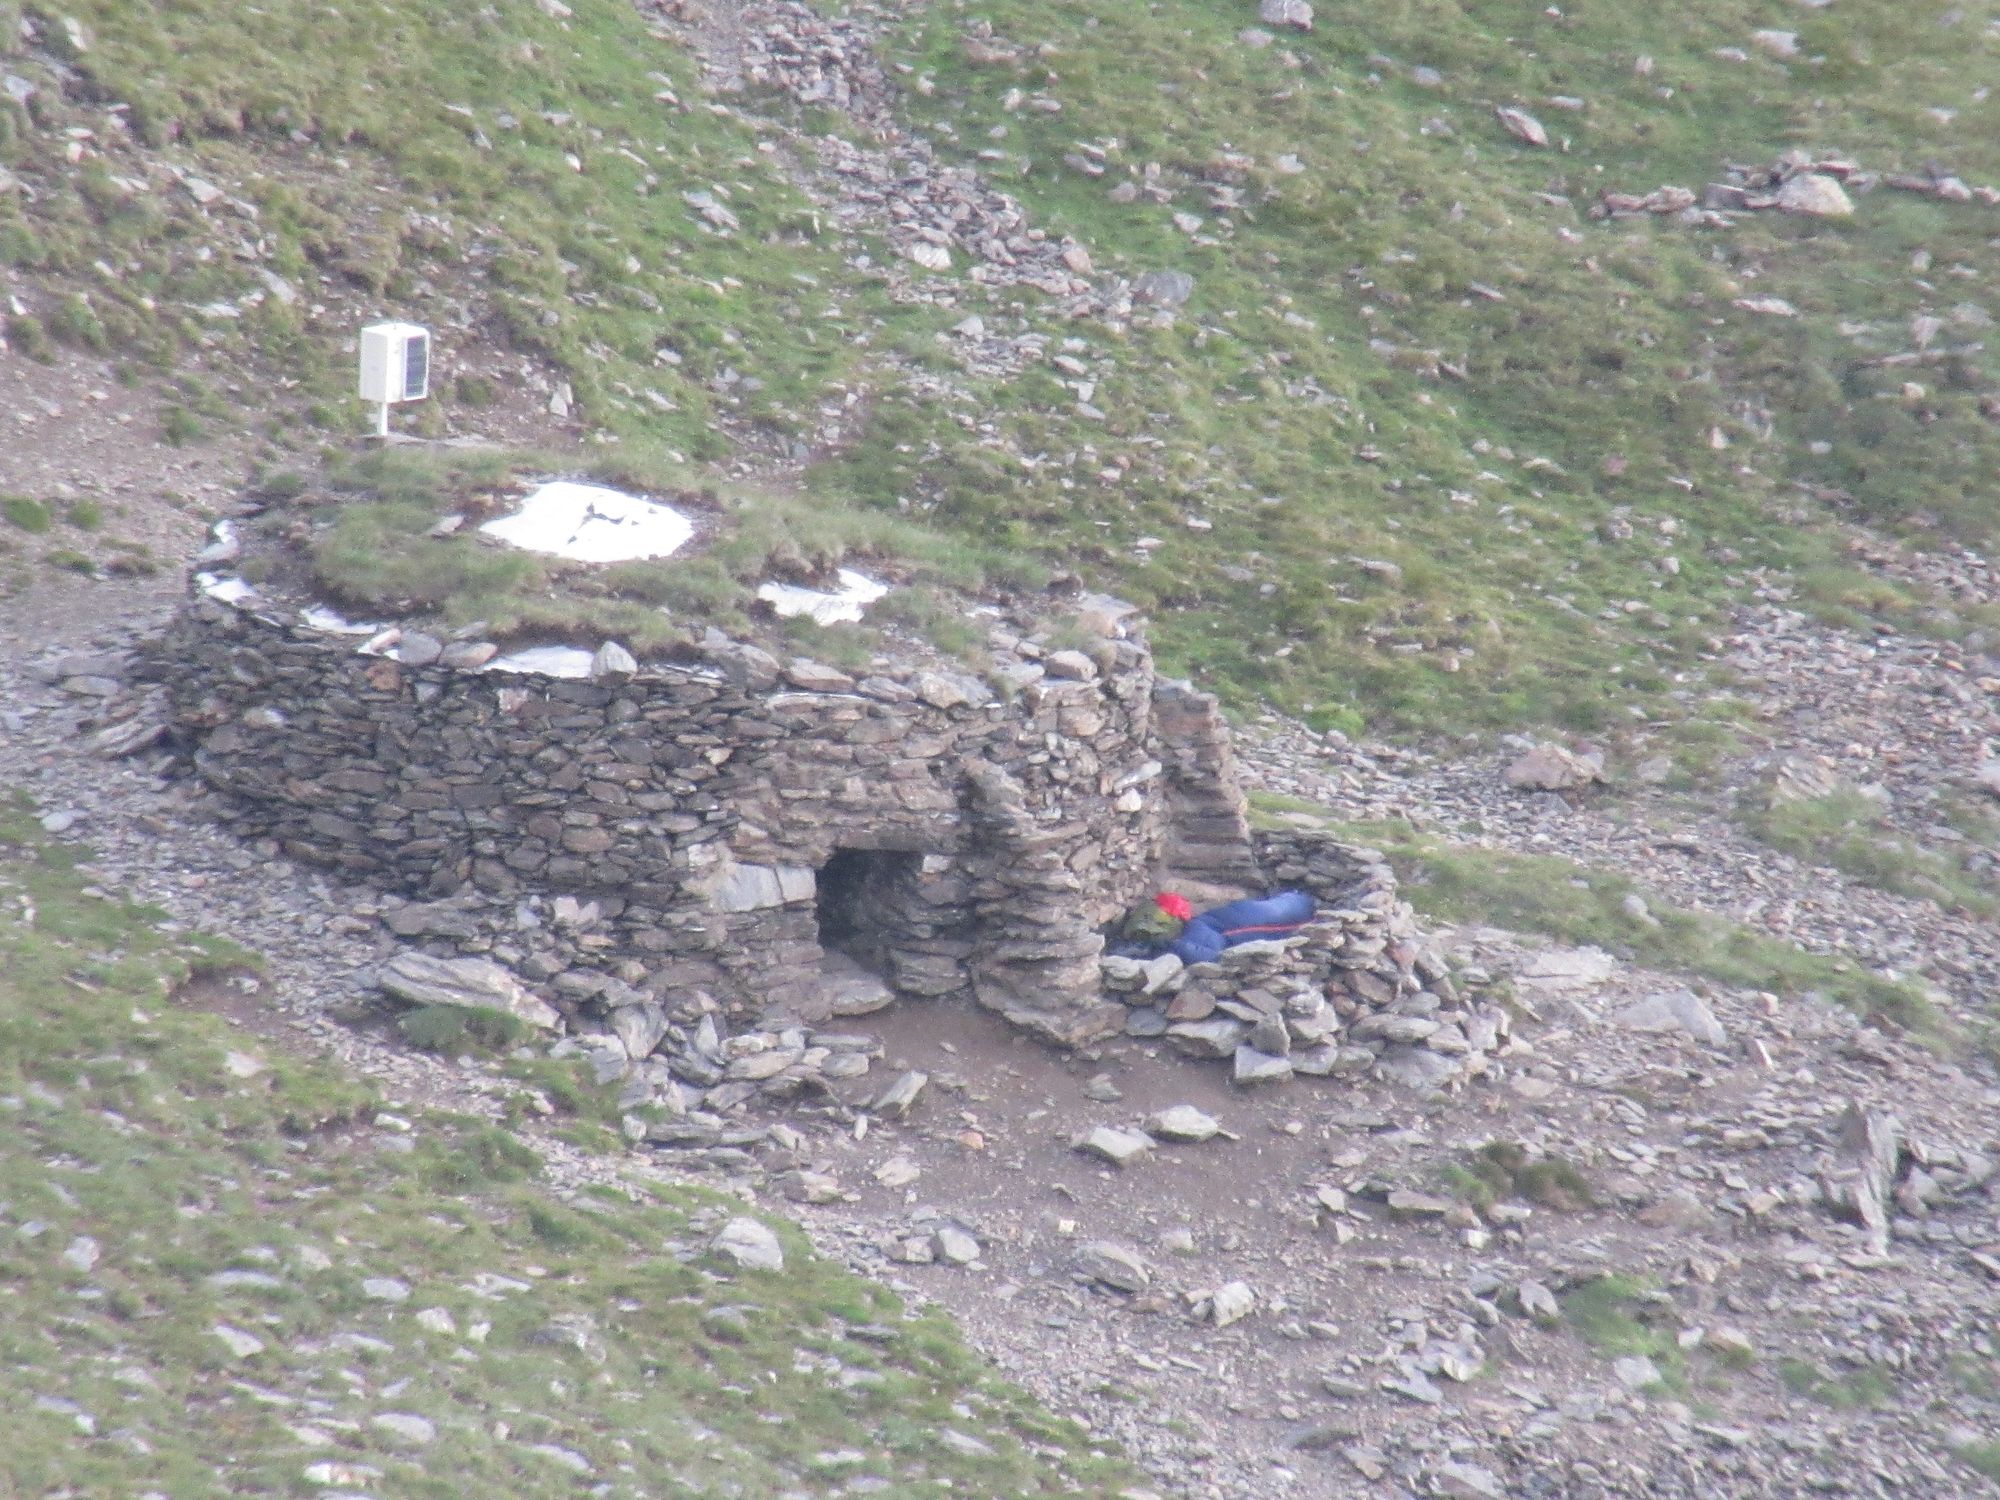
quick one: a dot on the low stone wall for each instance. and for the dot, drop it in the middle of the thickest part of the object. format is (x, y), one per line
(664, 830)
(1358, 990)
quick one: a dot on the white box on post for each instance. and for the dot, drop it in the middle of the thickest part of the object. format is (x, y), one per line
(395, 366)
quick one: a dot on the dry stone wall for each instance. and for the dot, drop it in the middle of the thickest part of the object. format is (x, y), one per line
(1358, 990)
(702, 866)
(1207, 810)
(711, 830)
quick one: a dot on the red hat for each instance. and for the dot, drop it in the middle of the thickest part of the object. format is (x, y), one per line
(1174, 905)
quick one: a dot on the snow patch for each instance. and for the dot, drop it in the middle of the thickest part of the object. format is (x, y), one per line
(589, 523)
(857, 591)
(228, 589)
(333, 622)
(547, 661)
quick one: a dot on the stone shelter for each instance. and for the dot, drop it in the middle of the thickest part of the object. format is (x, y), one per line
(779, 837)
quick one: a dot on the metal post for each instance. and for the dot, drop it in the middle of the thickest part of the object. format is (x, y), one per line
(382, 420)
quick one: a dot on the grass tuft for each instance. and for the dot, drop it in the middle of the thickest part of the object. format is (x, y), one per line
(1981, 1458)
(24, 514)
(1503, 1169)
(453, 1030)
(1860, 1388)
(1618, 1316)
(1850, 832)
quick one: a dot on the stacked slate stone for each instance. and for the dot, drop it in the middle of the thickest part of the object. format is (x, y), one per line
(1208, 811)
(1356, 991)
(1040, 891)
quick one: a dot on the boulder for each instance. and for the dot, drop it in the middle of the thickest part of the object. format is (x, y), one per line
(1417, 1068)
(1072, 665)
(750, 1244)
(1252, 1066)
(1460, 1481)
(1859, 1186)
(468, 656)
(1114, 1265)
(897, 1099)
(1183, 1122)
(949, 689)
(1674, 1010)
(1168, 289)
(1551, 768)
(640, 1027)
(744, 666)
(1816, 196)
(816, 677)
(613, 663)
(1216, 1037)
(1538, 1302)
(1296, 14)
(1803, 778)
(1565, 971)
(1119, 1147)
(468, 982)
(1987, 777)
(956, 1246)
(1522, 125)
(1229, 1303)
(1386, 1026)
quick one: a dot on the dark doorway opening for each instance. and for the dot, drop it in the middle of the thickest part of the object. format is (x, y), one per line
(864, 900)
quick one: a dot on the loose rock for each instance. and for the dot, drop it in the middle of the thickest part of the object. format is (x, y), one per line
(750, 1244)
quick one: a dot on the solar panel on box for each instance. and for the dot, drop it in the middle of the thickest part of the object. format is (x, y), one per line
(395, 366)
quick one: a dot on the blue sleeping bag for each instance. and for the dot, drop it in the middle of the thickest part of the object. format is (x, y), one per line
(1258, 919)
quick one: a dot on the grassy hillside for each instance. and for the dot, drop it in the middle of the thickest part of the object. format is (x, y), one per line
(226, 1271)
(1428, 445)
(1412, 345)
(512, 176)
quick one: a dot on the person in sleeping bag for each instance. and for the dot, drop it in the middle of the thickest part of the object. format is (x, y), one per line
(1256, 919)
